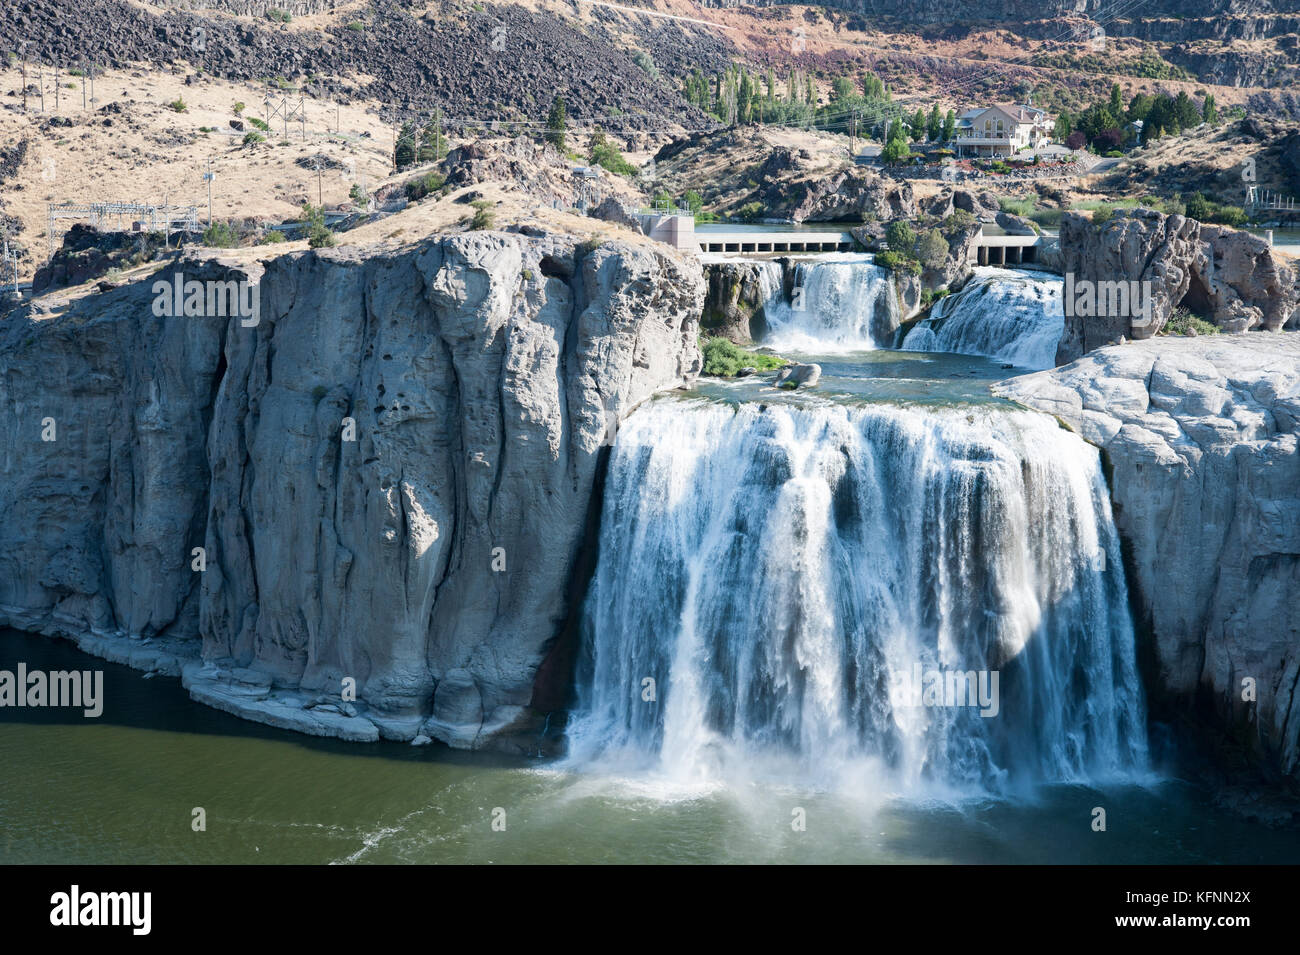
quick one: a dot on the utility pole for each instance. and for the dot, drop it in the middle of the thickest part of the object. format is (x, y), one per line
(24, 46)
(208, 177)
(320, 199)
(83, 85)
(56, 86)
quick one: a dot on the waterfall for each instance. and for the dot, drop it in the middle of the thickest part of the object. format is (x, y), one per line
(839, 302)
(771, 276)
(788, 577)
(999, 314)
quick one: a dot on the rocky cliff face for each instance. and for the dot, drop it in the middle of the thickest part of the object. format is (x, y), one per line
(733, 305)
(1164, 262)
(390, 473)
(1201, 439)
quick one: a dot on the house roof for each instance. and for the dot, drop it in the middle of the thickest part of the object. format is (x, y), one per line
(1015, 112)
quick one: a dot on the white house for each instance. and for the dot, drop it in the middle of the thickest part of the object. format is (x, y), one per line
(1001, 130)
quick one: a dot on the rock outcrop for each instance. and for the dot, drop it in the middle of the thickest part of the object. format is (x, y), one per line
(795, 376)
(389, 473)
(1162, 262)
(1240, 282)
(737, 294)
(850, 195)
(86, 253)
(538, 169)
(1016, 225)
(1200, 435)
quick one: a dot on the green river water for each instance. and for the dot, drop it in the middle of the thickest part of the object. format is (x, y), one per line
(121, 789)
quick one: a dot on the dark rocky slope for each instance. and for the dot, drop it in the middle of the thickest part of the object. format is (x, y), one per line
(477, 62)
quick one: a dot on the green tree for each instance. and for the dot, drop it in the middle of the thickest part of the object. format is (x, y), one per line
(950, 126)
(895, 150)
(1095, 120)
(1185, 111)
(433, 144)
(404, 152)
(483, 214)
(934, 249)
(1210, 111)
(841, 89)
(872, 87)
(1160, 117)
(900, 237)
(1198, 207)
(220, 235)
(918, 125)
(555, 123)
(1116, 104)
(603, 153)
(746, 95)
(934, 125)
(318, 234)
(1139, 107)
(1063, 126)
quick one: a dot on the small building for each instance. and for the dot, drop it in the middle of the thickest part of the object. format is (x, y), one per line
(1001, 130)
(673, 226)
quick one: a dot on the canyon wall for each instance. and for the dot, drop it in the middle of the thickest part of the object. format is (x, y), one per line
(390, 473)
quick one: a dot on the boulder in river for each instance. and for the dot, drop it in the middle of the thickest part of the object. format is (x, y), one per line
(797, 375)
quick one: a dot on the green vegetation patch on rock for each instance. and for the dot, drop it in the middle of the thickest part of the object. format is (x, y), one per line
(724, 359)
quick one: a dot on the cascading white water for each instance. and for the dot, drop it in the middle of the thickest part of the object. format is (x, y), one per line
(780, 572)
(771, 276)
(1000, 314)
(839, 302)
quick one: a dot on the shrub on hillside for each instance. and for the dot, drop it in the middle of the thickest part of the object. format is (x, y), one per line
(220, 235)
(897, 262)
(421, 186)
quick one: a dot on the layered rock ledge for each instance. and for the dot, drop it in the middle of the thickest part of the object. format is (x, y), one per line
(390, 475)
(1200, 435)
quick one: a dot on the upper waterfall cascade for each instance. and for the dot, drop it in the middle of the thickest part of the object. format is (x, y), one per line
(840, 302)
(1000, 314)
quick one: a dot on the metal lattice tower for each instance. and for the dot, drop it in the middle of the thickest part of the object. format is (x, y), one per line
(288, 109)
(167, 218)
